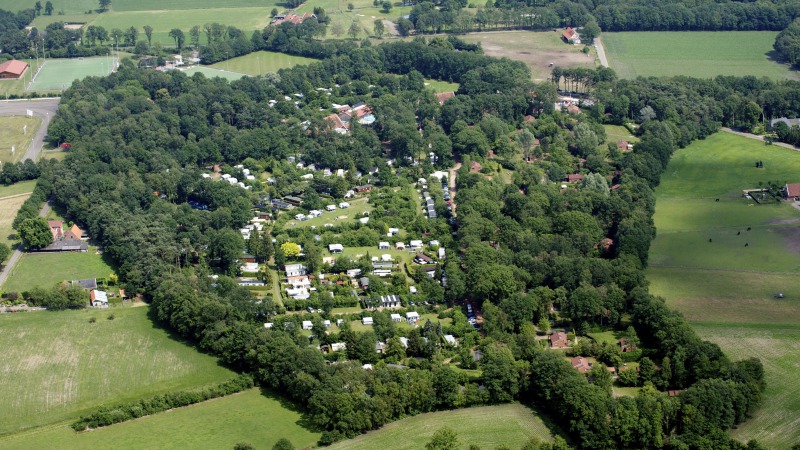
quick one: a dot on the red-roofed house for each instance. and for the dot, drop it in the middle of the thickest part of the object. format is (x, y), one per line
(74, 233)
(475, 167)
(573, 109)
(57, 228)
(571, 35)
(581, 364)
(336, 124)
(559, 340)
(444, 96)
(291, 18)
(13, 69)
(791, 191)
(574, 178)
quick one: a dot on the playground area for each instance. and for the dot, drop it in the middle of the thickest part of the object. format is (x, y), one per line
(58, 74)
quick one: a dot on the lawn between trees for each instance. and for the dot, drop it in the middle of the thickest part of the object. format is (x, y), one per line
(726, 289)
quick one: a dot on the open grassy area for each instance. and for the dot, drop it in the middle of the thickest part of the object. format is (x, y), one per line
(161, 5)
(702, 54)
(356, 211)
(22, 187)
(8, 210)
(259, 63)
(221, 423)
(616, 133)
(211, 72)
(58, 74)
(12, 135)
(724, 287)
(441, 86)
(47, 269)
(69, 7)
(487, 427)
(535, 48)
(58, 365)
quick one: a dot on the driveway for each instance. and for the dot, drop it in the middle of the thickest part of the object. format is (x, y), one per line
(601, 52)
(44, 109)
(760, 138)
(18, 251)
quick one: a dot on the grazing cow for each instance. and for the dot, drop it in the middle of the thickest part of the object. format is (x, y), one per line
(738, 233)
(746, 244)
(748, 228)
(716, 200)
(709, 239)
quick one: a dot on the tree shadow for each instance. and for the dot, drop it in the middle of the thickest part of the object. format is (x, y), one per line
(305, 418)
(554, 428)
(775, 57)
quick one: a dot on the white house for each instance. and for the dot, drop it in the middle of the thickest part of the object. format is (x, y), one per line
(298, 293)
(404, 341)
(412, 317)
(383, 246)
(366, 321)
(344, 205)
(338, 346)
(225, 176)
(451, 340)
(396, 318)
(441, 252)
(294, 270)
(268, 325)
(364, 220)
(308, 176)
(412, 289)
(206, 175)
(99, 298)
(335, 248)
(300, 217)
(327, 323)
(331, 207)
(415, 244)
(307, 325)
(314, 213)
(352, 273)
(249, 267)
(433, 243)
(339, 322)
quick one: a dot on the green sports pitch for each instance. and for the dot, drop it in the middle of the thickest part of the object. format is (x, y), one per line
(58, 74)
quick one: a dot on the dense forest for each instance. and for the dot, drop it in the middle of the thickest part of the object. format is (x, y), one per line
(523, 247)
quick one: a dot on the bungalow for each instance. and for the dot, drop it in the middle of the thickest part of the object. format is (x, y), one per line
(245, 258)
(383, 245)
(571, 36)
(433, 243)
(335, 248)
(574, 178)
(326, 323)
(396, 318)
(364, 282)
(363, 188)
(412, 317)
(298, 293)
(382, 273)
(299, 282)
(421, 258)
(791, 191)
(293, 270)
(441, 253)
(626, 346)
(339, 322)
(404, 341)
(293, 200)
(366, 321)
(352, 273)
(624, 146)
(581, 364)
(249, 267)
(559, 340)
(307, 325)
(338, 346)
(300, 217)
(99, 299)
(573, 109)
(386, 257)
(444, 96)
(415, 244)
(413, 290)
(390, 301)
(86, 284)
(383, 265)
(450, 340)
(393, 231)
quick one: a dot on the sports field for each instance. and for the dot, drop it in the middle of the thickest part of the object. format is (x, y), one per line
(701, 54)
(58, 74)
(259, 63)
(16, 132)
(211, 72)
(28, 273)
(487, 427)
(57, 365)
(722, 277)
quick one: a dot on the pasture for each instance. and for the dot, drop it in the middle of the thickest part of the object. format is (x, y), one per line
(62, 365)
(699, 263)
(487, 427)
(537, 49)
(28, 273)
(259, 63)
(58, 74)
(12, 135)
(211, 72)
(701, 54)
(248, 416)
(8, 210)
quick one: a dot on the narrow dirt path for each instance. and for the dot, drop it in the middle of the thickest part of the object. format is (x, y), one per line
(760, 138)
(601, 52)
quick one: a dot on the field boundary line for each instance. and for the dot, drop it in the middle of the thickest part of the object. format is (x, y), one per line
(718, 269)
(15, 195)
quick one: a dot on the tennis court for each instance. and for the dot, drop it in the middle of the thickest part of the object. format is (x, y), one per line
(210, 72)
(58, 74)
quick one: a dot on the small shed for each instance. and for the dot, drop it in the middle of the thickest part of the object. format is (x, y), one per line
(412, 317)
(383, 246)
(396, 318)
(307, 325)
(366, 321)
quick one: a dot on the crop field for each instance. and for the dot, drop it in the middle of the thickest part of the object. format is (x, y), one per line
(12, 135)
(58, 74)
(537, 49)
(249, 416)
(28, 273)
(701, 54)
(487, 427)
(210, 72)
(723, 277)
(58, 365)
(259, 63)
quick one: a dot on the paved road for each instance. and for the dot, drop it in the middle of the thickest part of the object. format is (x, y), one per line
(601, 52)
(44, 109)
(18, 251)
(760, 138)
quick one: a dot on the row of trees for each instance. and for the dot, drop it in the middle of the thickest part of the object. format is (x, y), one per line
(787, 43)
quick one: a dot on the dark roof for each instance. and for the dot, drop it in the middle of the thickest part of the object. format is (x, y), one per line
(67, 245)
(88, 283)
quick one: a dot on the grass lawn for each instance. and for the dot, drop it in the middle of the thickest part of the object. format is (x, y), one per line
(58, 74)
(701, 54)
(487, 427)
(606, 336)
(724, 288)
(357, 326)
(535, 48)
(69, 7)
(356, 211)
(259, 63)
(22, 187)
(154, 5)
(8, 210)
(47, 269)
(11, 135)
(221, 423)
(211, 72)
(777, 423)
(62, 365)
(441, 86)
(616, 133)
(56, 154)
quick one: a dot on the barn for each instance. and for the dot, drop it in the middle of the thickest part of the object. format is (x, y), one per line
(13, 69)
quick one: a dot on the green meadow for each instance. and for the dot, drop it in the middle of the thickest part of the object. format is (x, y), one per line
(701, 54)
(259, 63)
(723, 277)
(486, 427)
(28, 273)
(58, 365)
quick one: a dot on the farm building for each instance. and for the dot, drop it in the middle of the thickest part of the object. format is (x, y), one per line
(13, 69)
(572, 36)
(99, 299)
(791, 191)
